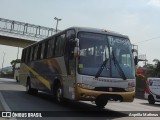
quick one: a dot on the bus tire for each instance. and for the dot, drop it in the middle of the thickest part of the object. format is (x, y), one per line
(101, 102)
(30, 90)
(59, 93)
(151, 99)
(17, 79)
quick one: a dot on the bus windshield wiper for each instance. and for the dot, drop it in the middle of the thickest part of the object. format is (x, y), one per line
(119, 69)
(101, 68)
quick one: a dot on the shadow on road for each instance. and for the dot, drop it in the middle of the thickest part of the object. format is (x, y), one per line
(80, 109)
(153, 105)
(42, 102)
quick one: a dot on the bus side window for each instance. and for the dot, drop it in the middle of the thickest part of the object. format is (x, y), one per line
(27, 55)
(34, 47)
(45, 50)
(42, 50)
(59, 45)
(39, 51)
(23, 55)
(50, 47)
(35, 52)
(31, 52)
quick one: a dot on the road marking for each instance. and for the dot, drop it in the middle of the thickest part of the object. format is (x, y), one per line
(5, 106)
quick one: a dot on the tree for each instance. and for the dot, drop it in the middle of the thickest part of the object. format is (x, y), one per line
(150, 70)
(157, 67)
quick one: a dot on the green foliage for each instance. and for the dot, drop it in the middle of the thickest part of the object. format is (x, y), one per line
(157, 68)
(13, 63)
(152, 70)
(9, 72)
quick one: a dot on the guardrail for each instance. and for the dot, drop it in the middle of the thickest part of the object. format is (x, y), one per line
(24, 30)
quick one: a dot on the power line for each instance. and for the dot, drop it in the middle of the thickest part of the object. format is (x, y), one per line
(147, 40)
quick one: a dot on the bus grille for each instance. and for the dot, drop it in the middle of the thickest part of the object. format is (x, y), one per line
(106, 89)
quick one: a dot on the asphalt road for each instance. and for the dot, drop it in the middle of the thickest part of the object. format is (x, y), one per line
(14, 98)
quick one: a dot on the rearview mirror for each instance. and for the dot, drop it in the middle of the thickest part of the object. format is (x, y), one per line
(135, 54)
(134, 50)
(76, 49)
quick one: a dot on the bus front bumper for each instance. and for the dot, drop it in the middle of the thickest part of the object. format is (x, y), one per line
(91, 95)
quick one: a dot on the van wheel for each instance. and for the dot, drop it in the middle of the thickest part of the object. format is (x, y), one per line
(101, 102)
(151, 99)
(59, 93)
(30, 90)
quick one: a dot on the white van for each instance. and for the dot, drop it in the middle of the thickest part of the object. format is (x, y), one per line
(152, 90)
(16, 71)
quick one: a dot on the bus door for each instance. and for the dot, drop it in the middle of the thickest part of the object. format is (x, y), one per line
(70, 61)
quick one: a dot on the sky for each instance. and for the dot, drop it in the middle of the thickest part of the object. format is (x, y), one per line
(138, 19)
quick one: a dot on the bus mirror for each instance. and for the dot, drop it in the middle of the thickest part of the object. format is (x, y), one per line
(136, 60)
(77, 42)
(76, 49)
(134, 50)
(74, 42)
(135, 53)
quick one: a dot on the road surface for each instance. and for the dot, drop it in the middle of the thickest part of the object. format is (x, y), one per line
(14, 98)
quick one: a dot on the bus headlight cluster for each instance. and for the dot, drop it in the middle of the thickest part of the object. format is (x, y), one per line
(86, 86)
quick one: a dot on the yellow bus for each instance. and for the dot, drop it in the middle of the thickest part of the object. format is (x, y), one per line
(81, 64)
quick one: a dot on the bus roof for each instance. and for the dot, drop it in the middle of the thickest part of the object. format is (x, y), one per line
(96, 30)
(86, 29)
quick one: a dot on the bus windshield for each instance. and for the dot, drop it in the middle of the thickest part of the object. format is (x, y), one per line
(105, 56)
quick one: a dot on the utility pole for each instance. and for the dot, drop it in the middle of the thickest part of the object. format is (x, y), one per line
(3, 62)
(17, 53)
(57, 19)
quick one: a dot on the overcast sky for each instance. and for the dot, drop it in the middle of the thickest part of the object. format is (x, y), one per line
(139, 19)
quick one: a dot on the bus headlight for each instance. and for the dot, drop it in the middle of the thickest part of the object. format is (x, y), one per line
(86, 86)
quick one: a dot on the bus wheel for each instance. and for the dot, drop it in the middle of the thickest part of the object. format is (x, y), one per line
(101, 102)
(59, 95)
(30, 90)
(151, 99)
(28, 87)
(17, 79)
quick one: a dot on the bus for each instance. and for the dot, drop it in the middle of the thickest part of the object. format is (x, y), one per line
(81, 64)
